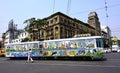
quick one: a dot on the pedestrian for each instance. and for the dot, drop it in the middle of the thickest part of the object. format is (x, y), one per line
(29, 56)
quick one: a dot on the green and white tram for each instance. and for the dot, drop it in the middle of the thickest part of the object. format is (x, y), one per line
(19, 50)
(91, 47)
(74, 47)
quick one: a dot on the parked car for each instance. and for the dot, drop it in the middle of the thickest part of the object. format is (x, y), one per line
(107, 50)
(2, 52)
(118, 50)
(115, 48)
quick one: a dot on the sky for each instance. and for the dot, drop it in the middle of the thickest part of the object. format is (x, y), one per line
(21, 10)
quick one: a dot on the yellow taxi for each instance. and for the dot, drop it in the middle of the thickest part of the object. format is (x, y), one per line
(2, 52)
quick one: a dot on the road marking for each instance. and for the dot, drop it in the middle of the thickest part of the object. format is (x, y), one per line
(114, 59)
(75, 65)
(80, 64)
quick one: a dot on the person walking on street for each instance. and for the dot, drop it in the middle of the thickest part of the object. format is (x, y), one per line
(29, 56)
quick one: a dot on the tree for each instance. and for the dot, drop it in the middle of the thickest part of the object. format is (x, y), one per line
(35, 25)
(25, 39)
(30, 23)
(40, 24)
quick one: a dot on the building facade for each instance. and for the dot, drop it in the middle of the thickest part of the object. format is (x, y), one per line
(58, 26)
(21, 36)
(93, 21)
(3, 40)
(106, 33)
(11, 33)
(61, 26)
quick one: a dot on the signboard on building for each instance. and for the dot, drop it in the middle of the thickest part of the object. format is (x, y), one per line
(82, 35)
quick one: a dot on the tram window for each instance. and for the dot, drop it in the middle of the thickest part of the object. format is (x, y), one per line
(99, 43)
(41, 46)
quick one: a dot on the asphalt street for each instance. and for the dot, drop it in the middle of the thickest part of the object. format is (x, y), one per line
(111, 65)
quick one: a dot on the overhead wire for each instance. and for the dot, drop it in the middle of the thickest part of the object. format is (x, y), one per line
(106, 10)
(106, 7)
(53, 6)
(68, 7)
(96, 9)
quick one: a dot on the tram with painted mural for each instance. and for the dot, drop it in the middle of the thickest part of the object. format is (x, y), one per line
(19, 50)
(86, 47)
(75, 48)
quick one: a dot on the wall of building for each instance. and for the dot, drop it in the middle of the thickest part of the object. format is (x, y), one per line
(63, 26)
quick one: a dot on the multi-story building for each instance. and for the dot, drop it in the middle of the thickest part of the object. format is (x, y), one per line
(93, 21)
(21, 36)
(11, 33)
(3, 40)
(0, 44)
(62, 26)
(106, 32)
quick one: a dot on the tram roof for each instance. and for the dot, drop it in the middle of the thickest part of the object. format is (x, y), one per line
(75, 38)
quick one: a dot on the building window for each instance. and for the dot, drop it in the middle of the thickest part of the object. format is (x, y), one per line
(73, 24)
(42, 34)
(51, 21)
(48, 22)
(61, 30)
(56, 28)
(61, 19)
(22, 35)
(25, 33)
(52, 32)
(56, 19)
(65, 20)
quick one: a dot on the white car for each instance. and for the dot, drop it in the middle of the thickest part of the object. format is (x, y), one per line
(115, 49)
(118, 50)
(106, 50)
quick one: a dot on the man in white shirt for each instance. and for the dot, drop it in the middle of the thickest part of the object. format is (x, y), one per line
(29, 55)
